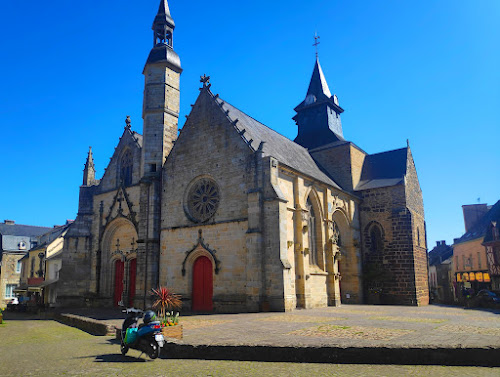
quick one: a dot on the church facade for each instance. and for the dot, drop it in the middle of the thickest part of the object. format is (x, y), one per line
(236, 217)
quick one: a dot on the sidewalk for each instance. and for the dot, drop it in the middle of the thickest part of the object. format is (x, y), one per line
(351, 333)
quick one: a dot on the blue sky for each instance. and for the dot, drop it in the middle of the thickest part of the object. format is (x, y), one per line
(427, 71)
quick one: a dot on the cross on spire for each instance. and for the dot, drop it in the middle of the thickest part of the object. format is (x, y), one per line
(316, 43)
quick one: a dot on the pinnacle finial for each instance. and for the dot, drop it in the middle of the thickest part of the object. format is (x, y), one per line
(128, 122)
(90, 158)
(205, 80)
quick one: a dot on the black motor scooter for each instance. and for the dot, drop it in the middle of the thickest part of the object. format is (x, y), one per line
(146, 337)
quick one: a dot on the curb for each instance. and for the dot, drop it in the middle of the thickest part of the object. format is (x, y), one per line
(487, 356)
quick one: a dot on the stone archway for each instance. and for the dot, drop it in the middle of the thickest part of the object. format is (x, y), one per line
(118, 260)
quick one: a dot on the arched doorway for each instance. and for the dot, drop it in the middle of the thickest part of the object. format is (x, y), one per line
(119, 264)
(202, 284)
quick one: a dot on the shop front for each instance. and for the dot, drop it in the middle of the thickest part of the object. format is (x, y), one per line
(472, 282)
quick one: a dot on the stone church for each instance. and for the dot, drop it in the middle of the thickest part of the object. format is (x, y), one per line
(235, 217)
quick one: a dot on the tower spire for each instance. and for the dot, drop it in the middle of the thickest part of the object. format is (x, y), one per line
(163, 43)
(89, 170)
(161, 103)
(163, 25)
(318, 116)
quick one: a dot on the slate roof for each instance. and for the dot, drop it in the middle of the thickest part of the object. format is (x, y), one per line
(22, 230)
(52, 234)
(318, 90)
(383, 169)
(440, 253)
(481, 227)
(276, 145)
(138, 138)
(163, 16)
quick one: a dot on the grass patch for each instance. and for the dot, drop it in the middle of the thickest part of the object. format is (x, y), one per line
(299, 319)
(410, 319)
(351, 332)
(464, 329)
(191, 324)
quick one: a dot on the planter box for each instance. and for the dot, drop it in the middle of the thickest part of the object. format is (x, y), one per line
(172, 331)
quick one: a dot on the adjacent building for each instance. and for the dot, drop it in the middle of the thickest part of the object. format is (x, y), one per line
(474, 267)
(15, 241)
(441, 273)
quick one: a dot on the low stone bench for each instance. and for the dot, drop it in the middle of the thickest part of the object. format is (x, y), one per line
(92, 326)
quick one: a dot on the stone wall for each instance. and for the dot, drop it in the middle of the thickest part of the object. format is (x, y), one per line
(209, 147)
(8, 274)
(344, 163)
(398, 273)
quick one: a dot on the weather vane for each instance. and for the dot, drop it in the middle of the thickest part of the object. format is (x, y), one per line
(316, 43)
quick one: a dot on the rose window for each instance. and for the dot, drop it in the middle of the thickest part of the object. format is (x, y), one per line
(203, 199)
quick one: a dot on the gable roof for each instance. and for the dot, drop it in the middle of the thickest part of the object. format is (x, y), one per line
(482, 225)
(383, 169)
(440, 253)
(276, 145)
(48, 237)
(22, 230)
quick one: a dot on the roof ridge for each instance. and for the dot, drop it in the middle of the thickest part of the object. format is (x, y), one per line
(33, 226)
(389, 151)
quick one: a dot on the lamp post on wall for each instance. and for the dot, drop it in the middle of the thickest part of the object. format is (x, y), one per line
(123, 256)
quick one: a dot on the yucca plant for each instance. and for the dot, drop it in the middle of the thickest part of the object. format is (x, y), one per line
(166, 299)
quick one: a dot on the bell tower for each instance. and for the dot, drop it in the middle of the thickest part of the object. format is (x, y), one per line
(318, 116)
(161, 94)
(160, 113)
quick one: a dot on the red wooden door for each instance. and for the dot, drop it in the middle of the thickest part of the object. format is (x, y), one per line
(202, 285)
(118, 281)
(132, 269)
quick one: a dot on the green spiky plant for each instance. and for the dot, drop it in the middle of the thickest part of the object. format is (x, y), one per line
(166, 299)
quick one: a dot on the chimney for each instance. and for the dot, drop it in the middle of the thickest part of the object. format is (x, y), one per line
(9, 222)
(472, 213)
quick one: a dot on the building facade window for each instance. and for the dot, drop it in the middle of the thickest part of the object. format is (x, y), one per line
(32, 271)
(479, 260)
(311, 229)
(203, 199)
(18, 267)
(9, 290)
(456, 262)
(126, 167)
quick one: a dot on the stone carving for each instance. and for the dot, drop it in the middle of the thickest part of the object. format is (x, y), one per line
(201, 243)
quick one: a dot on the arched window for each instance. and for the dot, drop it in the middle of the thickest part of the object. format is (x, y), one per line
(336, 239)
(314, 233)
(376, 239)
(126, 165)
